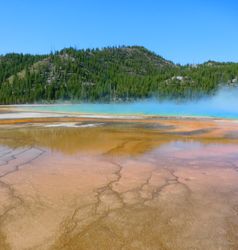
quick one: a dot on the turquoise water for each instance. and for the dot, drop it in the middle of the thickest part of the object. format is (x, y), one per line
(222, 105)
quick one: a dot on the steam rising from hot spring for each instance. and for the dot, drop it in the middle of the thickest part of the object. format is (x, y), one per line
(224, 104)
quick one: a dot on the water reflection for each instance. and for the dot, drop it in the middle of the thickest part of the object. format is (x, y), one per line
(112, 139)
(118, 186)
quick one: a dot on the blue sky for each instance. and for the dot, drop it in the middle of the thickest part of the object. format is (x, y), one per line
(184, 31)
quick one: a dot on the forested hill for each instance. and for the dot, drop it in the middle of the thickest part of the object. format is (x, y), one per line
(106, 75)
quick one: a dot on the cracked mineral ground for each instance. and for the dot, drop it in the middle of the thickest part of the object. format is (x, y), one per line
(154, 184)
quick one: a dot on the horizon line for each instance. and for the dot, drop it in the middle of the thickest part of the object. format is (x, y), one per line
(75, 47)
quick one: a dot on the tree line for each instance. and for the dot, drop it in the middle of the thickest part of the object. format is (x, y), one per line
(106, 75)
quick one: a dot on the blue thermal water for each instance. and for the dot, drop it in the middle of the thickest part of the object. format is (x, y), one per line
(223, 105)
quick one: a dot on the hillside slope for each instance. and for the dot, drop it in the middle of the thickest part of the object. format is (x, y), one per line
(109, 74)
